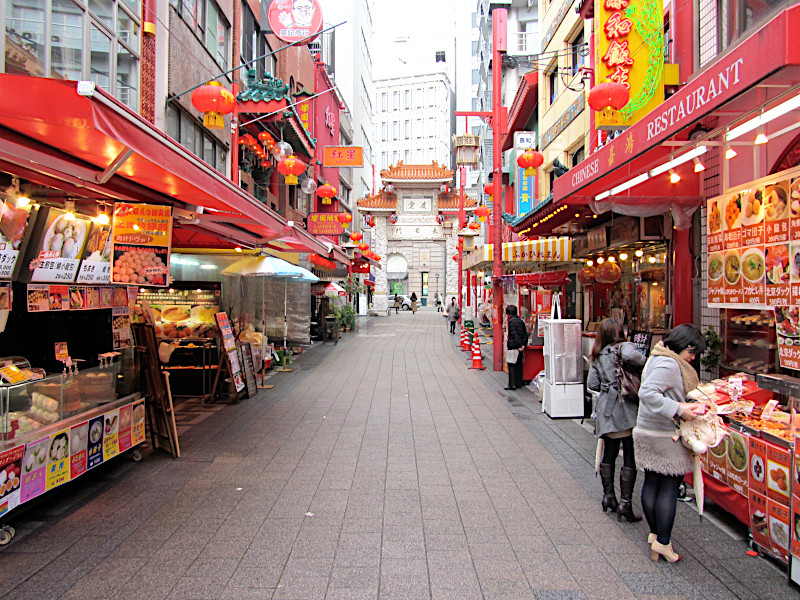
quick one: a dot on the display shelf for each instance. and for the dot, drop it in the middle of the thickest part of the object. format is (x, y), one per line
(749, 342)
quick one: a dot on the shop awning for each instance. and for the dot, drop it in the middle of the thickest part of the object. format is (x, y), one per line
(542, 278)
(92, 143)
(737, 83)
(522, 107)
(522, 254)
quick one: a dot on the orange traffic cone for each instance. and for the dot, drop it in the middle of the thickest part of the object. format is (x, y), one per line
(477, 358)
(464, 340)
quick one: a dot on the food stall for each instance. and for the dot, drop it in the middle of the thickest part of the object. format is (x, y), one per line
(534, 299)
(69, 398)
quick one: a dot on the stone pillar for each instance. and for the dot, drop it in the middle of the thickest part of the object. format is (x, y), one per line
(381, 247)
(451, 266)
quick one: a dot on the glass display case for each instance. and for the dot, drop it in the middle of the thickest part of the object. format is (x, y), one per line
(749, 342)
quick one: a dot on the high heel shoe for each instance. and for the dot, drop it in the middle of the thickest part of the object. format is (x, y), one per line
(667, 552)
(609, 497)
(651, 537)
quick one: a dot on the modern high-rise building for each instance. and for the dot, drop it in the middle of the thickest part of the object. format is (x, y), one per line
(348, 53)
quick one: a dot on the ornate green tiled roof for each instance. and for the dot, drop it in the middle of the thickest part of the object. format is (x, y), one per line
(269, 88)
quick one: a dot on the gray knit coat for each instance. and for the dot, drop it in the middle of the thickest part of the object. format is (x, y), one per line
(611, 415)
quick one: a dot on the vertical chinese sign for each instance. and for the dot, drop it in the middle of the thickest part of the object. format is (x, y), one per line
(141, 234)
(630, 51)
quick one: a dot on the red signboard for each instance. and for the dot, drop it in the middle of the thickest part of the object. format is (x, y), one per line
(295, 20)
(324, 224)
(343, 156)
(740, 70)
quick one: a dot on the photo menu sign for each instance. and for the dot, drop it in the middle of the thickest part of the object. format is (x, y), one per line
(754, 246)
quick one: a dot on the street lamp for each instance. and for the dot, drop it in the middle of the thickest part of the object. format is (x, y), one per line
(437, 284)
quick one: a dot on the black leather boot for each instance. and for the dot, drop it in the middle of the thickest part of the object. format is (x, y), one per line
(627, 480)
(607, 477)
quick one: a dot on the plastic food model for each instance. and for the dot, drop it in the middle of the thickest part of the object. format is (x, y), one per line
(138, 266)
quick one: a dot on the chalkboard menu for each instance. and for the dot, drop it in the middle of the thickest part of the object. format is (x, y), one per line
(249, 372)
(642, 341)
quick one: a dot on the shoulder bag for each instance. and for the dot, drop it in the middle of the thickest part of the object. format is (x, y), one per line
(628, 382)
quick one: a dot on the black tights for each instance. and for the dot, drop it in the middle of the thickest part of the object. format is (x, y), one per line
(611, 451)
(659, 501)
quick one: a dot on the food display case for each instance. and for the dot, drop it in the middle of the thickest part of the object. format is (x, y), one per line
(563, 366)
(55, 428)
(750, 342)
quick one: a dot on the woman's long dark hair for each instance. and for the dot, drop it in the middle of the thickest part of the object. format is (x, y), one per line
(610, 333)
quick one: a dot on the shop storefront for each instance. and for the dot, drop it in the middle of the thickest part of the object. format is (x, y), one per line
(716, 161)
(95, 200)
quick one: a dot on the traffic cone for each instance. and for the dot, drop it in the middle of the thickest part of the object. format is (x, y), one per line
(477, 358)
(464, 340)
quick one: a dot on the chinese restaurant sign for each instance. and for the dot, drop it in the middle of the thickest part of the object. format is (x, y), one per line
(141, 236)
(324, 224)
(754, 246)
(295, 20)
(342, 156)
(525, 191)
(630, 51)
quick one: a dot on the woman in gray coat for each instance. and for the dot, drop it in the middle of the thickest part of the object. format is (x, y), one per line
(614, 418)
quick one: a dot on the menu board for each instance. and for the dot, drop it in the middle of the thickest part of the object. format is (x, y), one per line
(642, 340)
(54, 298)
(231, 350)
(794, 522)
(754, 246)
(121, 327)
(183, 313)
(13, 225)
(141, 238)
(249, 372)
(59, 249)
(96, 259)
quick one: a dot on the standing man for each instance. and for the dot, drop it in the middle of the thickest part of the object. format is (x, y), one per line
(452, 314)
(517, 340)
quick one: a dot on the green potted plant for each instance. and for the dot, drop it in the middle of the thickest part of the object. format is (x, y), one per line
(348, 316)
(352, 286)
(713, 354)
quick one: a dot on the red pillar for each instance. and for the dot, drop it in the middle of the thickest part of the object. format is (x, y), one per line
(499, 45)
(682, 271)
(683, 36)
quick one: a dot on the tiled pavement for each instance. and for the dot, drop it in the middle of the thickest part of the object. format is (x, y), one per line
(379, 468)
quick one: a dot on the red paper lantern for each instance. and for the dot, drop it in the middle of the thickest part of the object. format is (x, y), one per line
(608, 97)
(356, 236)
(393, 218)
(265, 138)
(291, 167)
(482, 212)
(586, 275)
(326, 192)
(363, 247)
(474, 226)
(213, 101)
(530, 160)
(455, 258)
(344, 218)
(488, 189)
(264, 164)
(608, 272)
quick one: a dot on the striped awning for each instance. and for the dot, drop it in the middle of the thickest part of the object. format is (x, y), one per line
(519, 255)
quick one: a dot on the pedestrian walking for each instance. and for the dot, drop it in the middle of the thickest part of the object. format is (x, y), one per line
(453, 312)
(666, 380)
(438, 303)
(413, 303)
(397, 303)
(515, 344)
(615, 416)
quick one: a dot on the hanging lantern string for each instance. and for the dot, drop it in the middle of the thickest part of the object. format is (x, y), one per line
(249, 62)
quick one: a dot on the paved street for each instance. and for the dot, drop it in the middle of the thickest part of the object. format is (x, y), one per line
(380, 467)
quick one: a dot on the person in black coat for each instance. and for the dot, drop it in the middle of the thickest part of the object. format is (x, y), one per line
(517, 340)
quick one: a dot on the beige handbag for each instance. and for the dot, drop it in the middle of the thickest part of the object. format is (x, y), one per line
(704, 432)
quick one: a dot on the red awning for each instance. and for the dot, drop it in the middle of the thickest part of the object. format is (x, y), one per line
(522, 108)
(543, 278)
(740, 81)
(95, 144)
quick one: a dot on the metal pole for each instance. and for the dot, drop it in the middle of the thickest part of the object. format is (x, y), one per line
(461, 178)
(499, 45)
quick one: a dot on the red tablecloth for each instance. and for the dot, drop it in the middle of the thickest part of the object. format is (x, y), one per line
(724, 496)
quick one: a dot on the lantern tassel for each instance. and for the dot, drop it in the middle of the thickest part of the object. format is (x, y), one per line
(291, 180)
(529, 172)
(213, 120)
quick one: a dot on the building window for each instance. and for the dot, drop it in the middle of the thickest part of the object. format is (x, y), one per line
(420, 97)
(190, 134)
(552, 85)
(384, 131)
(47, 40)
(365, 143)
(407, 130)
(577, 156)
(578, 52)
(419, 128)
(384, 160)
(424, 283)
(407, 156)
(431, 96)
(384, 101)
(394, 157)
(365, 97)
(210, 26)
(395, 130)
(407, 99)
(395, 100)
(440, 56)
